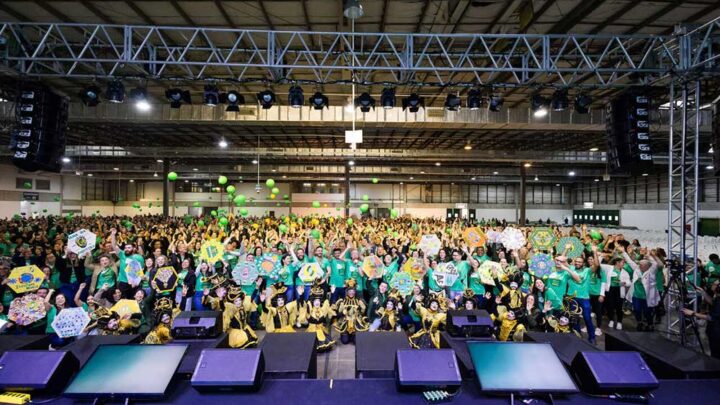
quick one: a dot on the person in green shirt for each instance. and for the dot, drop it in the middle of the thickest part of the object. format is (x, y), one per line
(288, 268)
(557, 281)
(104, 273)
(460, 284)
(713, 269)
(127, 253)
(338, 275)
(580, 291)
(353, 264)
(202, 282)
(432, 283)
(59, 302)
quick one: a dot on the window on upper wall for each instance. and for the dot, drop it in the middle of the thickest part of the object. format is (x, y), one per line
(42, 184)
(21, 181)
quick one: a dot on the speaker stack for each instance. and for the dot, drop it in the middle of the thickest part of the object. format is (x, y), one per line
(38, 140)
(628, 132)
(716, 138)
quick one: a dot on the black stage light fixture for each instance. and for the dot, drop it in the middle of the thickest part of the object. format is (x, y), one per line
(474, 100)
(413, 102)
(266, 99)
(452, 102)
(538, 105)
(139, 96)
(211, 95)
(115, 92)
(233, 99)
(319, 101)
(582, 103)
(177, 96)
(365, 101)
(90, 96)
(387, 98)
(495, 103)
(559, 101)
(296, 99)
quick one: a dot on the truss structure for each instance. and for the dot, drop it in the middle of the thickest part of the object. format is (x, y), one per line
(683, 186)
(193, 53)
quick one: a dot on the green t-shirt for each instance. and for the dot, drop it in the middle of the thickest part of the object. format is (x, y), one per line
(353, 271)
(596, 282)
(527, 281)
(122, 276)
(55, 282)
(106, 276)
(461, 283)
(660, 279)
(581, 289)
(557, 281)
(432, 283)
(714, 272)
(52, 313)
(553, 298)
(286, 274)
(615, 277)
(475, 284)
(338, 273)
(390, 271)
(638, 288)
(201, 283)
(7, 298)
(482, 258)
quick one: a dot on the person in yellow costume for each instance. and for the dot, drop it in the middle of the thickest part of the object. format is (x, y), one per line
(164, 315)
(508, 325)
(350, 311)
(389, 319)
(317, 313)
(433, 319)
(277, 316)
(512, 297)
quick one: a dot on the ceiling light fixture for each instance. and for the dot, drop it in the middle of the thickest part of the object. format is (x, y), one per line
(90, 96)
(365, 102)
(387, 98)
(538, 105)
(582, 103)
(211, 95)
(233, 99)
(496, 102)
(319, 101)
(468, 146)
(266, 99)
(223, 143)
(353, 9)
(594, 149)
(177, 96)
(351, 163)
(474, 100)
(66, 159)
(571, 173)
(559, 101)
(452, 102)
(296, 98)
(115, 92)
(413, 103)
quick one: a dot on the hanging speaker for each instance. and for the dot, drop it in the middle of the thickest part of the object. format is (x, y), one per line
(716, 138)
(627, 127)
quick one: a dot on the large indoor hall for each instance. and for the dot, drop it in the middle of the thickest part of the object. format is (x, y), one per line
(359, 201)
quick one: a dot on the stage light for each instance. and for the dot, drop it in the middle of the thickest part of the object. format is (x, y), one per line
(437, 163)
(159, 160)
(582, 103)
(139, 96)
(266, 99)
(536, 178)
(223, 143)
(711, 150)
(233, 99)
(365, 101)
(496, 102)
(538, 105)
(594, 149)
(710, 167)
(353, 9)
(132, 181)
(177, 96)
(644, 174)
(351, 163)
(319, 101)
(452, 102)
(211, 95)
(254, 161)
(468, 146)
(387, 98)
(155, 174)
(296, 98)
(66, 159)
(559, 100)
(115, 92)
(413, 102)
(495, 173)
(117, 169)
(90, 96)
(474, 100)
(571, 173)
(90, 174)
(528, 164)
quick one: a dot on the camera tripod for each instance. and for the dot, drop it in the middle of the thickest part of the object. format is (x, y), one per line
(677, 282)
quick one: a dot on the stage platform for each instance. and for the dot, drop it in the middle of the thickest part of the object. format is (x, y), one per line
(289, 355)
(375, 353)
(23, 342)
(384, 391)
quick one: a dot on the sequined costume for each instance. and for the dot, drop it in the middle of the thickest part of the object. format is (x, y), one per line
(164, 315)
(389, 320)
(276, 317)
(317, 315)
(433, 319)
(350, 312)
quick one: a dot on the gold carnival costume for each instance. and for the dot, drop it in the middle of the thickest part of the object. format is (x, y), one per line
(350, 312)
(509, 324)
(237, 307)
(164, 315)
(389, 318)
(277, 316)
(318, 317)
(433, 319)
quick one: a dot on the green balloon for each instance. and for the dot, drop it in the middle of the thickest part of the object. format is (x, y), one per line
(27, 184)
(315, 234)
(223, 221)
(286, 197)
(375, 180)
(239, 199)
(230, 189)
(243, 212)
(222, 180)
(283, 228)
(196, 204)
(136, 205)
(595, 234)
(56, 199)
(394, 213)
(45, 210)
(201, 223)
(364, 208)
(316, 204)
(213, 213)
(365, 197)
(349, 221)
(275, 190)
(270, 183)
(172, 176)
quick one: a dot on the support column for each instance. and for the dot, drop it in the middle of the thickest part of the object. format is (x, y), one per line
(166, 188)
(347, 191)
(521, 216)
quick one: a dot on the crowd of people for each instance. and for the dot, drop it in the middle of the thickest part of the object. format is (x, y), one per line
(359, 266)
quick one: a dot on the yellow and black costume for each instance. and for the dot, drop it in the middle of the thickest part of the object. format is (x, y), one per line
(350, 310)
(433, 320)
(469, 300)
(317, 314)
(388, 315)
(509, 326)
(277, 316)
(164, 315)
(236, 309)
(512, 297)
(109, 323)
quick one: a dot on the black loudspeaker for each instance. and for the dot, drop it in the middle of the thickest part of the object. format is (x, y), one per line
(716, 138)
(229, 370)
(37, 370)
(427, 369)
(627, 127)
(607, 373)
(38, 139)
(469, 323)
(197, 325)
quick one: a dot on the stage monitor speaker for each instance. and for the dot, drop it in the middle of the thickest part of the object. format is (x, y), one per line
(469, 323)
(197, 325)
(38, 139)
(37, 370)
(606, 373)
(427, 369)
(229, 370)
